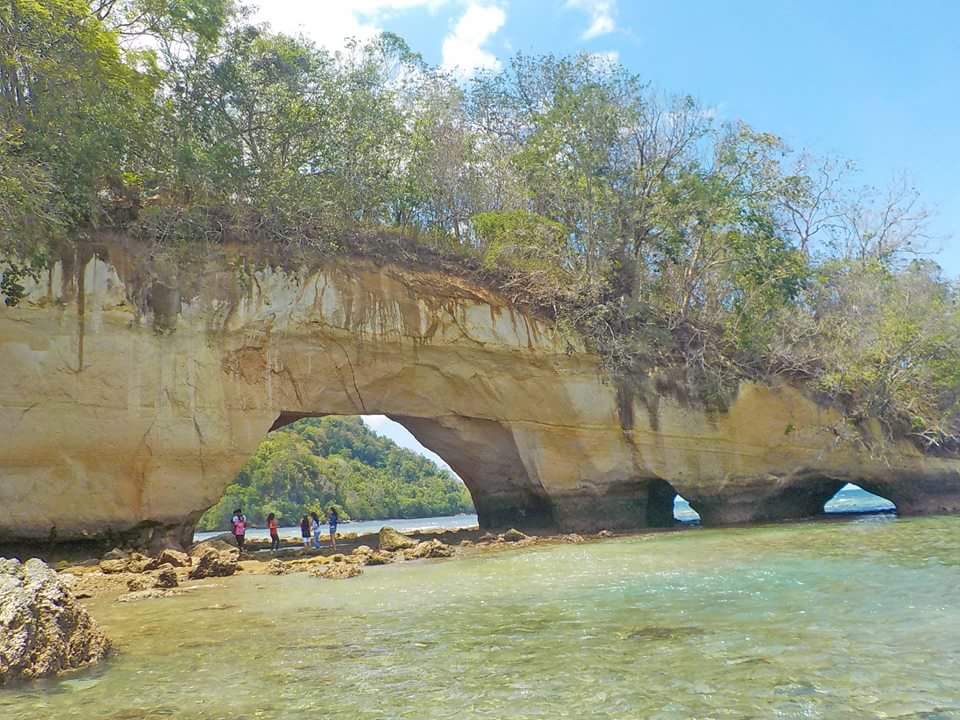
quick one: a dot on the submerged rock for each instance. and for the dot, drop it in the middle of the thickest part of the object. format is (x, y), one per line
(43, 629)
(276, 567)
(141, 582)
(572, 538)
(337, 571)
(150, 594)
(380, 557)
(391, 540)
(429, 549)
(211, 562)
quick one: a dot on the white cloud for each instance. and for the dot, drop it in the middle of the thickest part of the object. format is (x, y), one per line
(329, 22)
(463, 51)
(601, 14)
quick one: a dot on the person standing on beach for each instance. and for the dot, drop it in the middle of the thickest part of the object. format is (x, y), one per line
(274, 531)
(332, 519)
(305, 531)
(239, 523)
(315, 526)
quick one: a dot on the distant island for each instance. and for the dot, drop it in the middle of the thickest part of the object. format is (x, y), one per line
(318, 462)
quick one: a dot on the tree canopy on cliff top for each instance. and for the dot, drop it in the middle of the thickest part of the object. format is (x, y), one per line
(666, 239)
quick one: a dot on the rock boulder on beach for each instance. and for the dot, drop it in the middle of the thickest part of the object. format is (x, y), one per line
(391, 540)
(211, 562)
(430, 549)
(514, 535)
(166, 577)
(43, 628)
(337, 571)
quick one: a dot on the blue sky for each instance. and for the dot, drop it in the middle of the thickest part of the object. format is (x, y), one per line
(875, 81)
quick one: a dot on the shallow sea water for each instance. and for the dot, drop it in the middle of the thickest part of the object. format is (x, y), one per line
(850, 618)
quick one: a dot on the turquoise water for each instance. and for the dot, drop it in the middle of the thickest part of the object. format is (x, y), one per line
(851, 618)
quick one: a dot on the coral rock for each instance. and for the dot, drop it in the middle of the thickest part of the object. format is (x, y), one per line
(43, 629)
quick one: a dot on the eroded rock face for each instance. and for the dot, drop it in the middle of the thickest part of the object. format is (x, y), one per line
(182, 393)
(43, 629)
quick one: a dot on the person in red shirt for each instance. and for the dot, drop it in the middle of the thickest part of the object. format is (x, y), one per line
(274, 532)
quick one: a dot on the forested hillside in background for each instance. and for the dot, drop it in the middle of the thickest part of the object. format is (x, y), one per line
(690, 251)
(317, 462)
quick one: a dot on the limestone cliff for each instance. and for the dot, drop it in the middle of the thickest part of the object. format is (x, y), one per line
(131, 392)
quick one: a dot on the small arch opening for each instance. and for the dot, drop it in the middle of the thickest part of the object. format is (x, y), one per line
(665, 506)
(683, 512)
(853, 499)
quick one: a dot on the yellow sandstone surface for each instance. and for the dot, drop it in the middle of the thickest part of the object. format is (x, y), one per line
(131, 393)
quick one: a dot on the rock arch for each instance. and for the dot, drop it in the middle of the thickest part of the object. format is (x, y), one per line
(133, 391)
(879, 500)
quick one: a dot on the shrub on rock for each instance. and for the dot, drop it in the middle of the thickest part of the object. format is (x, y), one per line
(43, 629)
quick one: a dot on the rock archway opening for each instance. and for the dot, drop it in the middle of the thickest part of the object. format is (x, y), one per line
(369, 467)
(665, 506)
(683, 512)
(852, 498)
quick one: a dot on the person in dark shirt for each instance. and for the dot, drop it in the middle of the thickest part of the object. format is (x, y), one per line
(332, 519)
(305, 531)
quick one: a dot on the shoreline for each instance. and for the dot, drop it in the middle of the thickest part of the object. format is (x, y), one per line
(88, 581)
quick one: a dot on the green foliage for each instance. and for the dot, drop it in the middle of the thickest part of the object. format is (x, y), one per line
(660, 238)
(521, 240)
(896, 356)
(318, 462)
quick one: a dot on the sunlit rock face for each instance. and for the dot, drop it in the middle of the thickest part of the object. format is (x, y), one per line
(132, 390)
